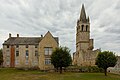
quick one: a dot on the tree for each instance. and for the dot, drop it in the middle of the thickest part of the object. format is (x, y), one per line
(106, 59)
(61, 58)
(1, 57)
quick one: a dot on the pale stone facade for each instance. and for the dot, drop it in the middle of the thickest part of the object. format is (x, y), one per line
(84, 55)
(29, 52)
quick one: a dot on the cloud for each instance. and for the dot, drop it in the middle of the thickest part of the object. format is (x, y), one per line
(36, 17)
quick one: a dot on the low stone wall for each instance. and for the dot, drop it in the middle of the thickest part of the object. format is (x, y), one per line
(114, 70)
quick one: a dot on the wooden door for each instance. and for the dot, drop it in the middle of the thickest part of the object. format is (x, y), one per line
(12, 57)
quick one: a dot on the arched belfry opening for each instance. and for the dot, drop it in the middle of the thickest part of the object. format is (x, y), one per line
(87, 28)
(82, 28)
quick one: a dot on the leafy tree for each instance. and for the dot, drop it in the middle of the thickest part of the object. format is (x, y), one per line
(1, 57)
(61, 58)
(106, 59)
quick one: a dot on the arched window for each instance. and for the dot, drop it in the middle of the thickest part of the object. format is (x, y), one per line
(86, 27)
(82, 27)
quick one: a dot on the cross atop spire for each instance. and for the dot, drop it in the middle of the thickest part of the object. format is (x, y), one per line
(83, 14)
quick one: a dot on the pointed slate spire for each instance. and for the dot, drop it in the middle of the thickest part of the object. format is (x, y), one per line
(83, 14)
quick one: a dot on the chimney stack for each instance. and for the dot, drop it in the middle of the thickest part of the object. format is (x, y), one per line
(17, 35)
(9, 35)
(41, 35)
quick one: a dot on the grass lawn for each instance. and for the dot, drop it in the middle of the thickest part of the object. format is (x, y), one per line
(13, 74)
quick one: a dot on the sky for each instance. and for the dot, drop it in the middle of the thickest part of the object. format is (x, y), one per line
(36, 17)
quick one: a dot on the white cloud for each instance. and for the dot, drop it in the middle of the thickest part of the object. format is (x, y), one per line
(36, 17)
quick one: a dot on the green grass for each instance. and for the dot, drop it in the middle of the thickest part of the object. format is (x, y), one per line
(13, 74)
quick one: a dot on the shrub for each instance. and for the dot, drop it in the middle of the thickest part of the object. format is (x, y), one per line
(90, 69)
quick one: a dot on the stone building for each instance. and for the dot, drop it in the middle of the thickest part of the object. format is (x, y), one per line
(84, 55)
(29, 52)
(116, 68)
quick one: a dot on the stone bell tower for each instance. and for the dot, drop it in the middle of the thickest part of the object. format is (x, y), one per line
(83, 32)
(84, 55)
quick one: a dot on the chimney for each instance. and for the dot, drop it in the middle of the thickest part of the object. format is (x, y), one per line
(42, 36)
(9, 35)
(17, 35)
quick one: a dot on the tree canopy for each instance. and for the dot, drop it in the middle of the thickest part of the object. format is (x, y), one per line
(61, 58)
(106, 59)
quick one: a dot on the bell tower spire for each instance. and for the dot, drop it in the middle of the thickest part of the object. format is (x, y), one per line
(83, 14)
(84, 55)
(83, 31)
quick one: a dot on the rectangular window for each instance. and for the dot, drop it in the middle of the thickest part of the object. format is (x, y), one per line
(47, 61)
(8, 61)
(27, 54)
(26, 62)
(7, 53)
(48, 50)
(17, 53)
(26, 57)
(36, 53)
(16, 61)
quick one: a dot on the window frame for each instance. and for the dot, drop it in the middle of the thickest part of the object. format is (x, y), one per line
(16, 61)
(36, 53)
(17, 53)
(48, 51)
(47, 61)
(26, 60)
(26, 53)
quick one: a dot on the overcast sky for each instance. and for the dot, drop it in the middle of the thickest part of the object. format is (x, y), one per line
(36, 17)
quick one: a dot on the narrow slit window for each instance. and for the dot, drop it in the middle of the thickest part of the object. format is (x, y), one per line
(82, 28)
(86, 27)
(27, 54)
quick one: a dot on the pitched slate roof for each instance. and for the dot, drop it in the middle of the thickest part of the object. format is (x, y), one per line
(24, 40)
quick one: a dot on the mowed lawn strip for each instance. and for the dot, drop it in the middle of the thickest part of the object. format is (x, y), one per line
(14, 74)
